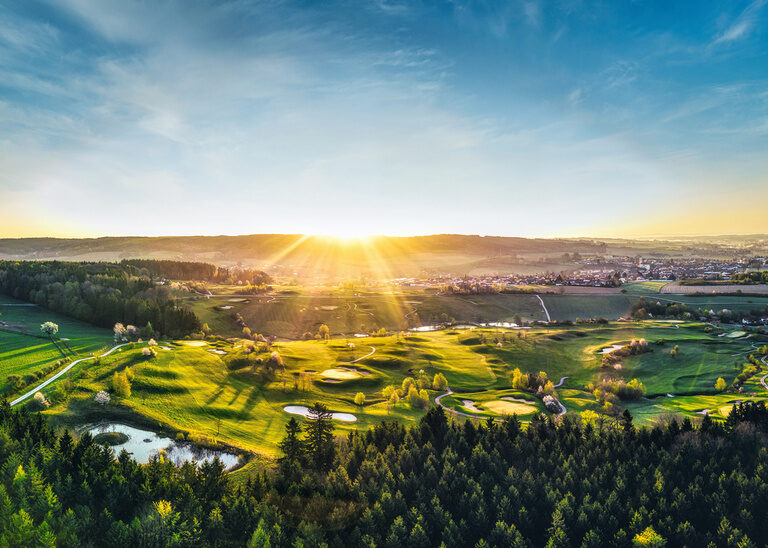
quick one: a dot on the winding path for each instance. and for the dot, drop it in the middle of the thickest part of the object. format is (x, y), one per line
(549, 319)
(371, 353)
(559, 384)
(60, 373)
(448, 392)
(762, 380)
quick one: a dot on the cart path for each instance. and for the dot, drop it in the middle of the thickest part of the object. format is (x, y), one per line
(549, 319)
(60, 373)
(371, 353)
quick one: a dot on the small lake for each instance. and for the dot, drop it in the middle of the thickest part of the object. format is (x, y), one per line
(144, 444)
(428, 328)
(303, 410)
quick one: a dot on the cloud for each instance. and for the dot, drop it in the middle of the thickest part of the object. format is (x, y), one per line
(742, 26)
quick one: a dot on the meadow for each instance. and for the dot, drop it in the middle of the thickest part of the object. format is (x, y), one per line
(24, 352)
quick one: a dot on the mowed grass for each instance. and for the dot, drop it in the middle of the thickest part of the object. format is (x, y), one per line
(573, 307)
(26, 354)
(190, 389)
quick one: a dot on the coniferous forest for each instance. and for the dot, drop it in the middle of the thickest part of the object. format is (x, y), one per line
(436, 483)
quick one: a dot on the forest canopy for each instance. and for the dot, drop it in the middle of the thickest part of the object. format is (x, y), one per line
(436, 483)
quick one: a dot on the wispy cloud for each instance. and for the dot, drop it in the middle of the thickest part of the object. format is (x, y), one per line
(741, 27)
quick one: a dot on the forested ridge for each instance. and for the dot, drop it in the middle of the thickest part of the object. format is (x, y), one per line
(438, 482)
(98, 293)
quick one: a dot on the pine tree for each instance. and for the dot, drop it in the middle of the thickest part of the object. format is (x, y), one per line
(292, 446)
(319, 440)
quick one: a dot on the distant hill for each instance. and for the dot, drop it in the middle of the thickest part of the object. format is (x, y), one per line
(294, 254)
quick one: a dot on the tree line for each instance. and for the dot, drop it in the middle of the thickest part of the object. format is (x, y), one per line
(196, 271)
(436, 483)
(98, 293)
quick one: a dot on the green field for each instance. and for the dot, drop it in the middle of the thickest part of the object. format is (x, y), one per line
(24, 352)
(290, 315)
(188, 387)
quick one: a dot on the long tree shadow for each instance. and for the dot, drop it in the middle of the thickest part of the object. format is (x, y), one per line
(215, 396)
(253, 397)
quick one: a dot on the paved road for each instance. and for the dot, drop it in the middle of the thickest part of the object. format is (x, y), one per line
(562, 380)
(60, 373)
(762, 381)
(549, 319)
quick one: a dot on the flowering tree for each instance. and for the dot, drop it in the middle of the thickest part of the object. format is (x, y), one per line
(102, 397)
(119, 330)
(49, 328)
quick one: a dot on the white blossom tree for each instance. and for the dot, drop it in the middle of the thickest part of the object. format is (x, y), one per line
(49, 328)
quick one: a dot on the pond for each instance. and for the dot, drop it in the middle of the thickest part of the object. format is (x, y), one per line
(303, 410)
(428, 328)
(144, 444)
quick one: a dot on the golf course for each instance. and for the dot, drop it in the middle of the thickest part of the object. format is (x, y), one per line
(239, 392)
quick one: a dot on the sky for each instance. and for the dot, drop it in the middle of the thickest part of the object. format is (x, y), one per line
(355, 117)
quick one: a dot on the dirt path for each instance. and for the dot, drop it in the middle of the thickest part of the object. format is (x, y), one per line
(549, 319)
(60, 373)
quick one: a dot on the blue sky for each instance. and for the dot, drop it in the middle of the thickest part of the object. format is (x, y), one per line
(523, 118)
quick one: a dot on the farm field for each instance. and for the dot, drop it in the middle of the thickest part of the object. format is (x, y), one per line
(192, 387)
(755, 289)
(24, 352)
(291, 315)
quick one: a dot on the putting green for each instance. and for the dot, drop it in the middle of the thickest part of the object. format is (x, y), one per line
(502, 407)
(338, 374)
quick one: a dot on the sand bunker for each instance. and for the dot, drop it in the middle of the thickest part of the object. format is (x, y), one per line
(226, 307)
(192, 343)
(340, 374)
(328, 307)
(470, 406)
(238, 300)
(217, 351)
(303, 410)
(610, 349)
(165, 348)
(506, 407)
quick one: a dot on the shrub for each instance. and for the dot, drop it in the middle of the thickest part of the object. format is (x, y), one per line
(360, 399)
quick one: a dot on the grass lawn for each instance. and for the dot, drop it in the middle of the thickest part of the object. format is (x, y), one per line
(26, 354)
